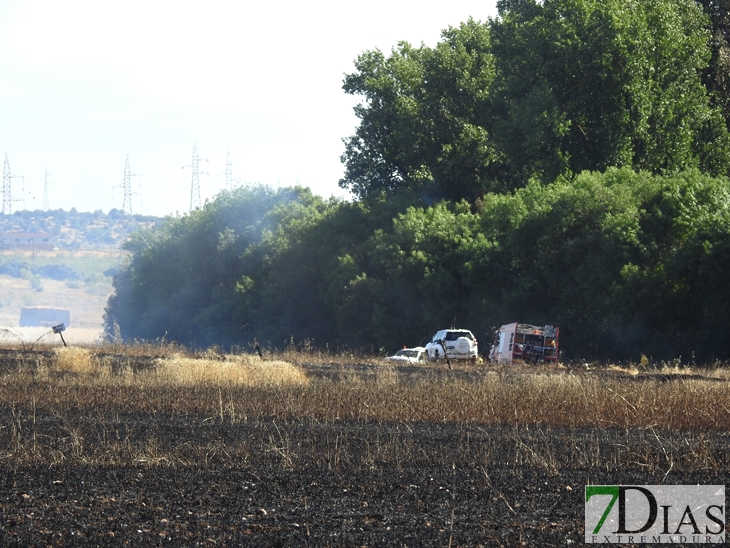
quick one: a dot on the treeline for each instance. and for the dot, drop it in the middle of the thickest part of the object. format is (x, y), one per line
(73, 230)
(626, 263)
(565, 163)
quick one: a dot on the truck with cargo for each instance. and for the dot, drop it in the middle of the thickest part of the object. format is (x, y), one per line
(521, 342)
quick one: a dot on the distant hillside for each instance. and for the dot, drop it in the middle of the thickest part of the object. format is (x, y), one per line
(73, 270)
(73, 230)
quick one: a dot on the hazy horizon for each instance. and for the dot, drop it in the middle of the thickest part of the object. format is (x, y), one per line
(86, 84)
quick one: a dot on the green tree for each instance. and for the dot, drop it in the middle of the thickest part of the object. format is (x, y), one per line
(589, 84)
(424, 123)
(678, 287)
(415, 277)
(558, 254)
(289, 284)
(623, 261)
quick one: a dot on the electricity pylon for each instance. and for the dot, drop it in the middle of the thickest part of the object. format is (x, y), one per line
(127, 185)
(230, 181)
(7, 187)
(7, 196)
(195, 183)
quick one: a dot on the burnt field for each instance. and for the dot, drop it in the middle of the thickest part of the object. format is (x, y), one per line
(99, 447)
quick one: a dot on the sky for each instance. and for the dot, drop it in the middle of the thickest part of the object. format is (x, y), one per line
(84, 84)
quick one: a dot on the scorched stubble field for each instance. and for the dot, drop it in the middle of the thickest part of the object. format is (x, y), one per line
(151, 445)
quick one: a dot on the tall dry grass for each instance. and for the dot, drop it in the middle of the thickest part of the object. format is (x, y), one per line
(178, 382)
(75, 359)
(229, 371)
(97, 406)
(170, 370)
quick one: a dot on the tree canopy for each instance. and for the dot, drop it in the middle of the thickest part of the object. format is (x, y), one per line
(424, 124)
(545, 89)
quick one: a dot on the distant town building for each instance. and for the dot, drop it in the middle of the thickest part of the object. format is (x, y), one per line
(31, 241)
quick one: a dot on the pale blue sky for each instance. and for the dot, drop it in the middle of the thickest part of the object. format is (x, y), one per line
(83, 83)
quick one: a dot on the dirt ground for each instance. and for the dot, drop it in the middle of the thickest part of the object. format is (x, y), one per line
(189, 480)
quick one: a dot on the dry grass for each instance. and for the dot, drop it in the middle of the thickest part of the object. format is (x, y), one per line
(626, 370)
(75, 359)
(166, 377)
(66, 403)
(523, 399)
(170, 368)
(229, 371)
(176, 381)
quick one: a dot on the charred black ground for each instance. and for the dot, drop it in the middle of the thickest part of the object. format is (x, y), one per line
(126, 478)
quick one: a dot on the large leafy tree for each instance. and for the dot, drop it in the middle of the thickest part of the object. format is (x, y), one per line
(545, 89)
(588, 84)
(624, 262)
(424, 122)
(253, 263)
(557, 255)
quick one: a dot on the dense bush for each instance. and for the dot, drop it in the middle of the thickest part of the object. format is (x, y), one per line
(624, 262)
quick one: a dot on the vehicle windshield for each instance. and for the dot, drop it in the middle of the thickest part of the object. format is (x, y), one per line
(407, 353)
